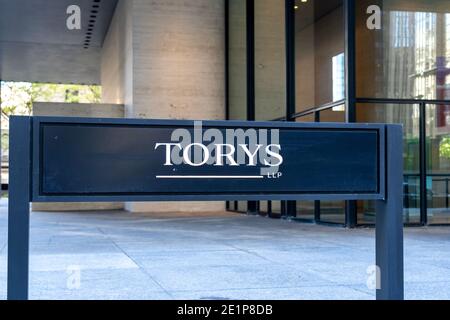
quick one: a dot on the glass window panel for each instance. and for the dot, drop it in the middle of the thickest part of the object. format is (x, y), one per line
(438, 163)
(307, 118)
(338, 77)
(242, 206)
(263, 207)
(408, 115)
(276, 207)
(232, 205)
(409, 55)
(305, 210)
(336, 114)
(319, 47)
(332, 211)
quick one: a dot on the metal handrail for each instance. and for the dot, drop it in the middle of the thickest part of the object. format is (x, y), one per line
(331, 105)
(313, 110)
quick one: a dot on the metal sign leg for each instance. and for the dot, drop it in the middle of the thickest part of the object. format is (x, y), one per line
(389, 222)
(19, 208)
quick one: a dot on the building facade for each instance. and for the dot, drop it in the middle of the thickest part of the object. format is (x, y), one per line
(273, 60)
(349, 61)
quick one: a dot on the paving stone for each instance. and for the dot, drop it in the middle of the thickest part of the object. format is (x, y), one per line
(230, 256)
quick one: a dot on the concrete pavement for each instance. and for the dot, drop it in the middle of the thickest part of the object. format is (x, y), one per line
(118, 255)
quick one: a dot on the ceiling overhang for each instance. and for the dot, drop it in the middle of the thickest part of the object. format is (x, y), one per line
(37, 46)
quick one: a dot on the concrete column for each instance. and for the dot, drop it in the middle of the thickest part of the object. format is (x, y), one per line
(117, 57)
(169, 65)
(270, 59)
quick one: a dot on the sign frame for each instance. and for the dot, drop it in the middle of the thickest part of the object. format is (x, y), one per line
(24, 173)
(38, 122)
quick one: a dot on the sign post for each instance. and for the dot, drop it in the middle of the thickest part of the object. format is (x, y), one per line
(57, 159)
(389, 222)
(19, 207)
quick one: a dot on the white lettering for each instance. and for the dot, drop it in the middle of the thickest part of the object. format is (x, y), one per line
(251, 156)
(187, 158)
(229, 155)
(273, 155)
(168, 145)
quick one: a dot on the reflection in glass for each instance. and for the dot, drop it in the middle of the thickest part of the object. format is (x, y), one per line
(264, 207)
(338, 76)
(333, 115)
(409, 57)
(332, 211)
(319, 47)
(438, 163)
(276, 207)
(305, 210)
(307, 118)
(408, 115)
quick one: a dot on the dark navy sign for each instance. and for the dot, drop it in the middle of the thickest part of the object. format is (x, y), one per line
(80, 159)
(156, 160)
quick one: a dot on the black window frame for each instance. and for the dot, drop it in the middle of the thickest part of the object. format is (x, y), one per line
(288, 208)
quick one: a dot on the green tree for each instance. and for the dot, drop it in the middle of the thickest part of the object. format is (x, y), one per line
(17, 98)
(444, 148)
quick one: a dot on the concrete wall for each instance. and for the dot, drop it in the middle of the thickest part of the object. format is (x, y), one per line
(270, 59)
(117, 57)
(78, 110)
(92, 110)
(178, 49)
(165, 59)
(73, 63)
(237, 55)
(178, 70)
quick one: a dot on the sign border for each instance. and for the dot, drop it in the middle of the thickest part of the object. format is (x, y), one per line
(38, 196)
(388, 217)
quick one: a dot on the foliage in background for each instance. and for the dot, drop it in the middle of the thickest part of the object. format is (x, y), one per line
(17, 98)
(444, 148)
